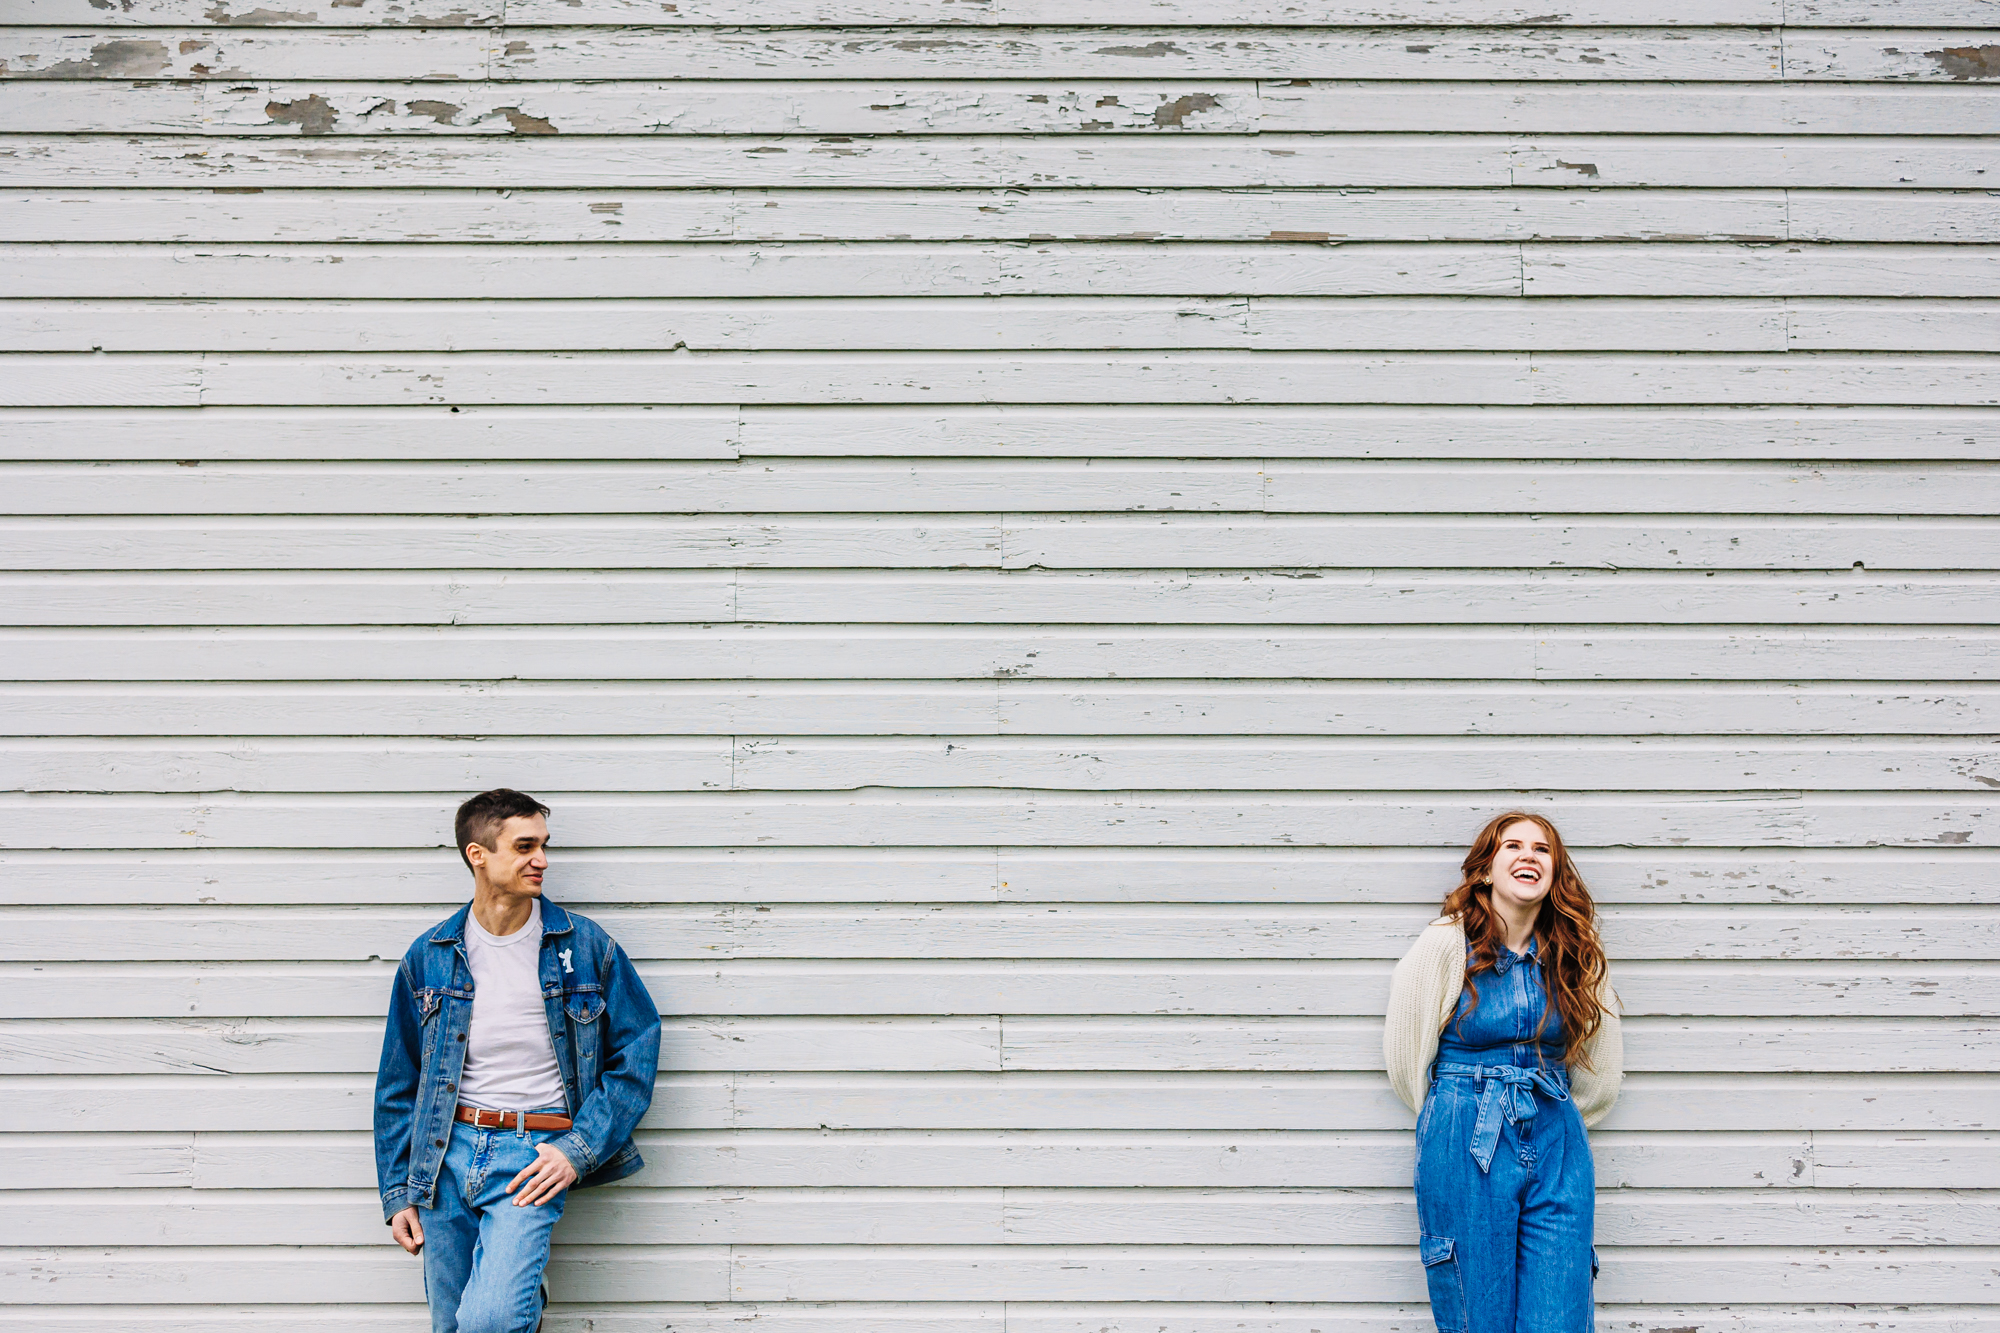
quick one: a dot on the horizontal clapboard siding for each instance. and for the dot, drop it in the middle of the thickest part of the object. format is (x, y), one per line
(1019, 544)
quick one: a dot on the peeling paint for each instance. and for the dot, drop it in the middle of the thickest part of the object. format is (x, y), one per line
(1968, 62)
(1146, 52)
(1177, 111)
(219, 14)
(313, 115)
(1581, 168)
(522, 123)
(442, 113)
(122, 57)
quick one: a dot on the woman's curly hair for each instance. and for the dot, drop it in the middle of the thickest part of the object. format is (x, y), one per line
(1572, 959)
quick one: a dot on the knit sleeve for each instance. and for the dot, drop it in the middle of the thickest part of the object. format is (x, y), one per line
(1595, 1087)
(1421, 999)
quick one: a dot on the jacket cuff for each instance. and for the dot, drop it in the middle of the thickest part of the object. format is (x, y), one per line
(572, 1146)
(395, 1201)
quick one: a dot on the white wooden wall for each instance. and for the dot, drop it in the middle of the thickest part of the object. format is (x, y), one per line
(1019, 554)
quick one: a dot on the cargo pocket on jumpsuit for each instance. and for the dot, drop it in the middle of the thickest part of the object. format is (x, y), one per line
(1446, 1284)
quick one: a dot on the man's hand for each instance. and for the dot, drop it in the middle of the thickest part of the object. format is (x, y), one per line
(549, 1175)
(407, 1230)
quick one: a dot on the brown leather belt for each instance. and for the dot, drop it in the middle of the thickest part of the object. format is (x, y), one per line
(472, 1115)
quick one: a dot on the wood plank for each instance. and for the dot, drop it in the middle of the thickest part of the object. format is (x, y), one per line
(866, 652)
(1019, 487)
(1260, 1157)
(762, 876)
(980, 597)
(1021, 432)
(1016, 1216)
(402, 433)
(66, 543)
(792, 13)
(1289, 217)
(1078, 542)
(1727, 54)
(461, 271)
(1013, 323)
(1705, 324)
(1100, 763)
(527, 543)
(961, 52)
(1187, 987)
(1112, 598)
(1589, 269)
(979, 708)
(238, 54)
(1943, 56)
(800, 763)
(1277, 159)
(695, 1134)
(1267, 13)
(1288, 432)
(408, 598)
(248, 379)
(976, 708)
(1280, 1274)
(170, 161)
(802, 487)
(1005, 930)
(1318, 486)
(860, 107)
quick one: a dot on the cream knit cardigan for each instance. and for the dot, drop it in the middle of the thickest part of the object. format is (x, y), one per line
(1423, 998)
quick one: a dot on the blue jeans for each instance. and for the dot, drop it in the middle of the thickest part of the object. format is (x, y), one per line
(1506, 1197)
(483, 1256)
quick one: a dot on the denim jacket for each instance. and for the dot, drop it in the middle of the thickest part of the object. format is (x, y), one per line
(602, 1022)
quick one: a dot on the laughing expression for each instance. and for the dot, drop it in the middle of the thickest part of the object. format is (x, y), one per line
(1524, 863)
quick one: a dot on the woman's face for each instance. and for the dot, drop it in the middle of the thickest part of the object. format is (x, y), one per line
(1523, 865)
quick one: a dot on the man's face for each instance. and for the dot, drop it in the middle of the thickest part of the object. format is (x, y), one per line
(519, 858)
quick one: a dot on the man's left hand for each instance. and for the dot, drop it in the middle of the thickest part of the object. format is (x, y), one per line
(543, 1179)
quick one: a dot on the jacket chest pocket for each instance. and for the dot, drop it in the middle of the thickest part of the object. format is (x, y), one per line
(584, 1009)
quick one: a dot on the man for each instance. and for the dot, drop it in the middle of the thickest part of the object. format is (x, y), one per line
(519, 1055)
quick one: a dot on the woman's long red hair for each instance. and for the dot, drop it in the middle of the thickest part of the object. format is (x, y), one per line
(1573, 965)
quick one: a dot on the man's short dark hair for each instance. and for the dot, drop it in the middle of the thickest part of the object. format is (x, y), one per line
(481, 817)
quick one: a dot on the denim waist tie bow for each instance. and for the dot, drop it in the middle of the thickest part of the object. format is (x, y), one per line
(1509, 1094)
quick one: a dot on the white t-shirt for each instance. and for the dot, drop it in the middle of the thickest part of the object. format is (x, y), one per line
(510, 1063)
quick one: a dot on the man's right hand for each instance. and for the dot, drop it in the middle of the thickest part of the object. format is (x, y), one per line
(407, 1230)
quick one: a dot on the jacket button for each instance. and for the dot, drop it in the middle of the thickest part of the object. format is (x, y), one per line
(451, 1087)
(461, 1036)
(437, 1143)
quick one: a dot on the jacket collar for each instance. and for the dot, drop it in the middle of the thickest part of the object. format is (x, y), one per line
(1508, 958)
(555, 921)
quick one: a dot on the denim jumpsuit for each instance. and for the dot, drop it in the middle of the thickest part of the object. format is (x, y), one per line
(1505, 1186)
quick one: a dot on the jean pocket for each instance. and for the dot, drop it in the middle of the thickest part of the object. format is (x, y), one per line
(1447, 1284)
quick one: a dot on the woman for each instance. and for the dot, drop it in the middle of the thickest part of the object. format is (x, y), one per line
(1503, 1027)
